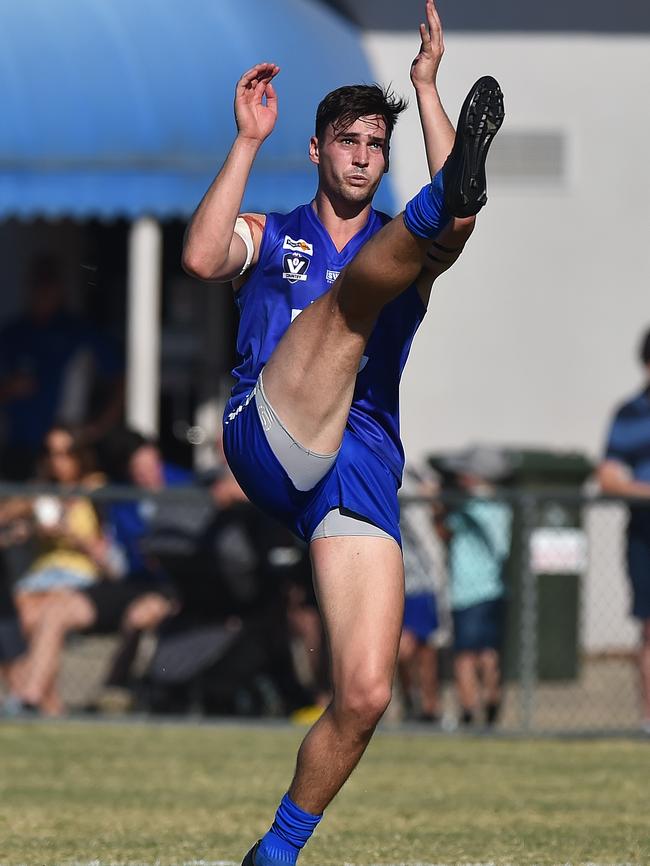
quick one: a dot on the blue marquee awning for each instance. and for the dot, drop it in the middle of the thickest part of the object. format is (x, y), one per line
(124, 107)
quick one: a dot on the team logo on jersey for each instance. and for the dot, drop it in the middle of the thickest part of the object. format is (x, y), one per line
(330, 276)
(298, 246)
(295, 267)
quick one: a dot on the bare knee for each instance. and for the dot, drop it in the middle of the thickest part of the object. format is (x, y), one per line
(362, 702)
(147, 612)
(67, 612)
(489, 657)
(30, 608)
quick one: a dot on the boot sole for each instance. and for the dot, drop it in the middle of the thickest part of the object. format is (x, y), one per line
(479, 121)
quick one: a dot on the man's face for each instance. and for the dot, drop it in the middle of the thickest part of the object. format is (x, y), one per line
(351, 161)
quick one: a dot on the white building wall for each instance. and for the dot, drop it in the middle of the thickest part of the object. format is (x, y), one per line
(531, 339)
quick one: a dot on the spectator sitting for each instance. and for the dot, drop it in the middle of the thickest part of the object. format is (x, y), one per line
(232, 629)
(44, 369)
(72, 548)
(478, 534)
(139, 601)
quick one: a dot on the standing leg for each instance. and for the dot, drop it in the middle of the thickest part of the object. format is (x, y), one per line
(427, 663)
(488, 664)
(408, 647)
(360, 587)
(465, 671)
(644, 670)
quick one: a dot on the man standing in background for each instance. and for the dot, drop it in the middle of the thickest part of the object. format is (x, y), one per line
(625, 471)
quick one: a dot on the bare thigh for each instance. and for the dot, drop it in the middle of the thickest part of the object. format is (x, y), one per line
(30, 607)
(310, 377)
(68, 611)
(359, 583)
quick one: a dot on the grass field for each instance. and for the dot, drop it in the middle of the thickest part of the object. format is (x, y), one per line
(77, 793)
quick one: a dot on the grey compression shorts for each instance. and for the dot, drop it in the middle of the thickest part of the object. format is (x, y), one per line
(305, 469)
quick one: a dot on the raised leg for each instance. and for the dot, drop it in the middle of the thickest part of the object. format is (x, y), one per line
(310, 377)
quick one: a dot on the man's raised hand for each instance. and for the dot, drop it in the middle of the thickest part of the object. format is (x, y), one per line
(424, 68)
(256, 102)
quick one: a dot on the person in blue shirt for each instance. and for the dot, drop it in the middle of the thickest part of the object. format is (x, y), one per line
(330, 296)
(625, 471)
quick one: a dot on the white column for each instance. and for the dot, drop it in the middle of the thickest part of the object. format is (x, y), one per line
(143, 325)
(207, 417)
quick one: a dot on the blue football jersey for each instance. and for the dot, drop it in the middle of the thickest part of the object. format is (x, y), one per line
(298, 262)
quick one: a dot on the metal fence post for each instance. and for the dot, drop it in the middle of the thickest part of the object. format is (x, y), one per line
(529, 620)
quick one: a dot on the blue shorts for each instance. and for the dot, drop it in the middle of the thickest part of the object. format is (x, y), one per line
(479, 626)
(421, 614)
(358, 482)
(638, 564)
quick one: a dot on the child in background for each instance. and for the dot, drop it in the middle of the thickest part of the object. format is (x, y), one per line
(478, 535)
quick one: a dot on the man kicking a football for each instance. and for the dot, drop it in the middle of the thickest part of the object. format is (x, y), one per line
(330, 296)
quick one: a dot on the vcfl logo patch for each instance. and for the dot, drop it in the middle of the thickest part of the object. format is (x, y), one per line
(295, 267)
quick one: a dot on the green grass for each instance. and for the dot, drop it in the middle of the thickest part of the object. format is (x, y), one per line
(72, 793)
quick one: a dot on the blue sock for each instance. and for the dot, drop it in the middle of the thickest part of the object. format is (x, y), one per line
(426, 214)
(291, 829)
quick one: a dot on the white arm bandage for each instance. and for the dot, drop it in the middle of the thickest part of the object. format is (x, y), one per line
(244, 231)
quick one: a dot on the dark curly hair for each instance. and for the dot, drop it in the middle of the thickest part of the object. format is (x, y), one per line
(343, 106)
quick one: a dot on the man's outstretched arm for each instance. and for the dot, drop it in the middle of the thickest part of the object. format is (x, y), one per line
(439, 135)
(437, 129)
(212, 250)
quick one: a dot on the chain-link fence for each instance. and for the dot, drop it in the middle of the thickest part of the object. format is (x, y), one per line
(532, 616)
(567, 645)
